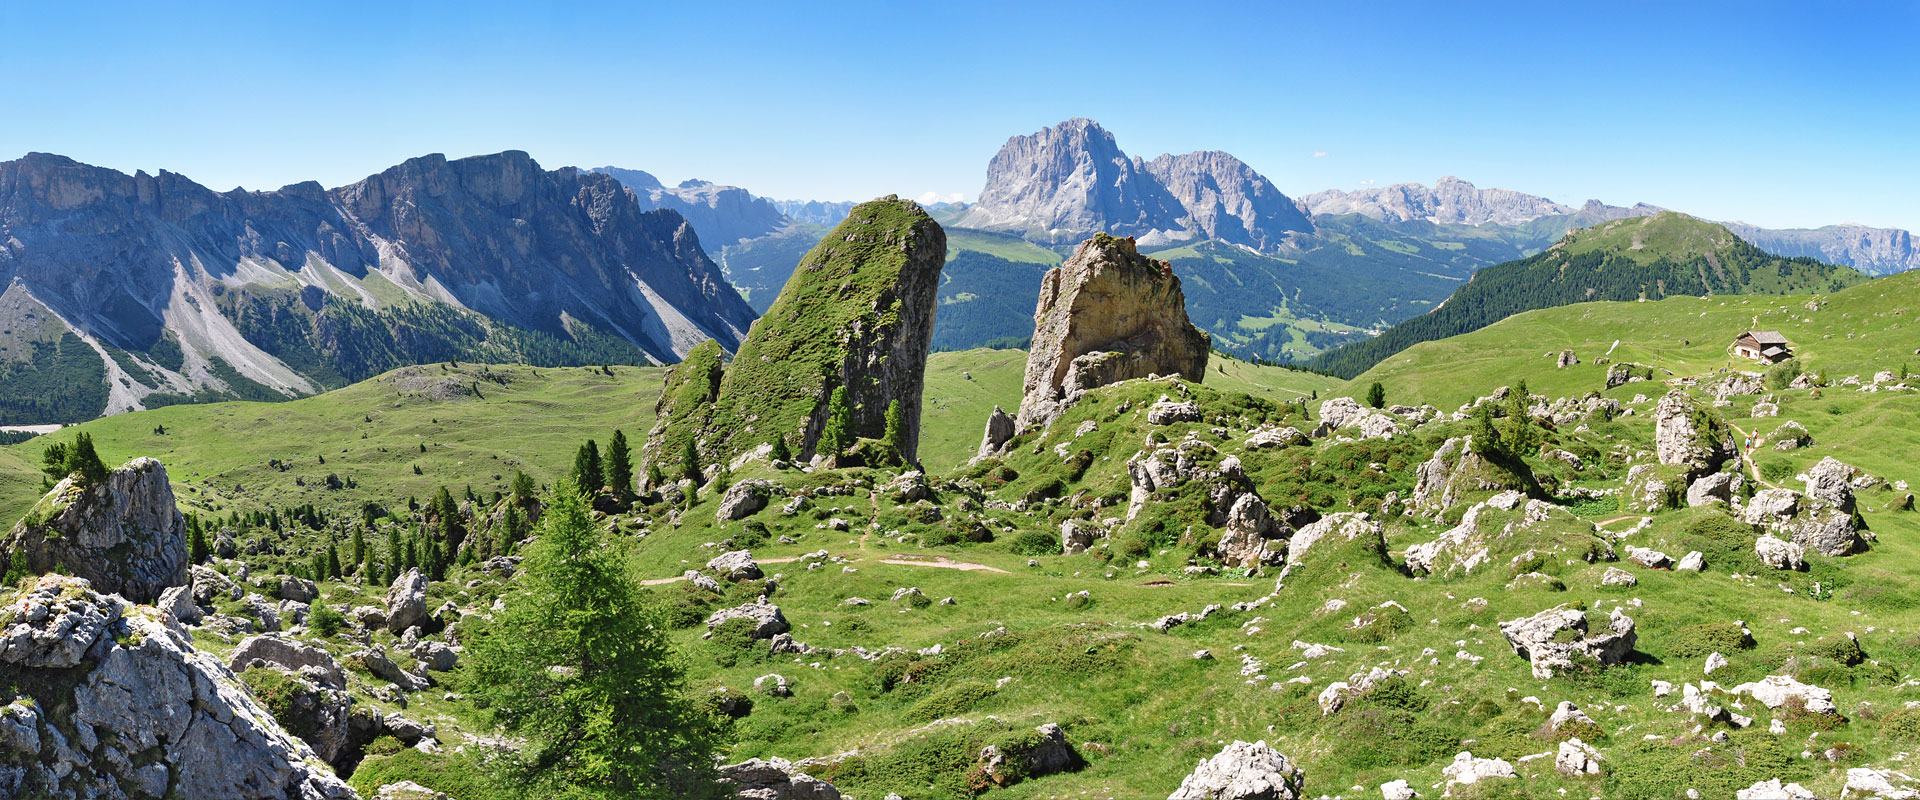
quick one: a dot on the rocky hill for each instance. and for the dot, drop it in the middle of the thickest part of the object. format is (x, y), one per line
(1650, 257)
(845, 342)
(136, 291)
(1071, 180)
(721, 215)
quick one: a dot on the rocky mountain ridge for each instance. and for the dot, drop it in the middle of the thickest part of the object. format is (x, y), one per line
(180, 291)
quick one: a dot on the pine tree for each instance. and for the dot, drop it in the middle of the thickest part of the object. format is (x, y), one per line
(333, 562)
(197, 550)
(1377, 395)
(620, 465)
(896, 434)
(522, 487)
(837, 435)
(619, 722)
(780, 451)
(358, 553)
(690, 462)
(587, 469)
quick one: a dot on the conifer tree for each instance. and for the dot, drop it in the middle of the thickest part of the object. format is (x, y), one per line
(587, 469)
(896, 434)
(690, 462)
(619, 465)
(837, 435)
(618, 721)
(1377, 395)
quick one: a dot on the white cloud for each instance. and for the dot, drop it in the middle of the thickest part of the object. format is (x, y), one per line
(1367, 182)
(929, 198)
(1320, 154)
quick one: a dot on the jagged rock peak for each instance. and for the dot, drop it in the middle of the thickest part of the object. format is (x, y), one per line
(124, 534)
(1107, 314)
(1072, 179)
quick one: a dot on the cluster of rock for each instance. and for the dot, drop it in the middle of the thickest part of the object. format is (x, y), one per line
(151, 716)
(1243, 771)
(1509, 523)
(1106, 315)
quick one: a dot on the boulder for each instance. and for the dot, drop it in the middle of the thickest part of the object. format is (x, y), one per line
(376, 660)
(1467, 770)
(1455, 472)
(1047, 755)
(209, 584)
(1719, 487)
(1693, 561)
(1779, 554)
(1243, 771)
(1106, 315)
(123, 535)
(1774, 691)
(1791, 435)
(1828, 531)
(701, 580)
(1773, 789)
(1339, 412)
(736, 565)
(1398, 789)
(999, 432)
(408, 790)
(177, 602)
(288, 654)
(774, 779)
(406, 601)
(1540, 640)
(436, 656)
(1566, 359)
(1688, 435)
(744, 499)
(1880, 784)
(910, 486)
(1252, 535)
(153, 713)
(1576, 758)
(1771, 506)
(1167, 412)
(1275, 438)
(299, 590)
(1616, 576)
(1077, 535)
(1348, 538)
(766, 618)
(1832, 481)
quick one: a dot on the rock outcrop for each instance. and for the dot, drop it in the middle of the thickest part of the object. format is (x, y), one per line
(1457, 473)
(1551, 639)
(1688, 435)
(153, 716)
(1107, 315)
(1243, 771)
(406, 601)
(774, 779)
(856, 315)
(124, 535)
(999, 431)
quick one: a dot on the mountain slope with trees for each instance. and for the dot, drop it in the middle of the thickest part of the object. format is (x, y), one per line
(1663, 255)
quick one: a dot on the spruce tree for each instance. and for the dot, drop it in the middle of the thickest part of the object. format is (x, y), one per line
(523, 487)
(690, 462)
(579, 666)
(197, 550)
(897, 428)
(85, 462)
(837, 435)
(619, 464)
(333, 562)
(588, 473)
(1377, 395)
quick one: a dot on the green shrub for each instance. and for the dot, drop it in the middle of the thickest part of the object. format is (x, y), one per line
(1842, 649)
(1036, 543)
(325, 620)
(1696, 641)
(950, 701)
(1901, 725)
(753, 534)
(457, 774)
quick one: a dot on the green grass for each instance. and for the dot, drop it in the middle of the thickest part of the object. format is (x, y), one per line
(1007, 246)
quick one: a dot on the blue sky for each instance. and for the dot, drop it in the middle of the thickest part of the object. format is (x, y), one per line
(1777, 114)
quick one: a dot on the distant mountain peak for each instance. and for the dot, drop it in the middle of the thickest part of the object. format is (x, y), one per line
(1064, 182)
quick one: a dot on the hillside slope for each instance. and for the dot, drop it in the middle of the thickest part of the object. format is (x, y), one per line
(1651, 257)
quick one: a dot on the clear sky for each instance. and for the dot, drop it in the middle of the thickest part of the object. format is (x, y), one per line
(1778, 114)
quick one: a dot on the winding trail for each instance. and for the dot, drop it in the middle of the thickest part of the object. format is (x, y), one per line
(1753, 470)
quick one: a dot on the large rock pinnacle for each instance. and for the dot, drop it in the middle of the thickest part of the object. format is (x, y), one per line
(124, 535)
(1107, 315)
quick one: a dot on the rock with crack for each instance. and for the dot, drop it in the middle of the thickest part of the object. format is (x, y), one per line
(1552, 639)
(1253, 537)
(1689, 435)
(1106, 315)
(406, 601)
(1779, 554)
(1719, 487)
(744, 499)
(999, 431)
(1832, 481)
(1271, 437)
(293, 656)
(1167, 412)
(1243, 771)
(774, 779)
(124, 535)
(154, 713)
(1576, 758)
(1076, 535)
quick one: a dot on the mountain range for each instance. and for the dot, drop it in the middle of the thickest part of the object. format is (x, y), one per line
(130, 291)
